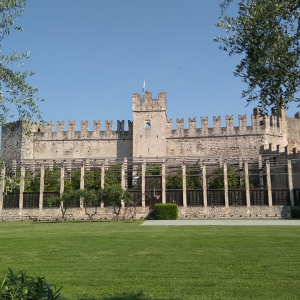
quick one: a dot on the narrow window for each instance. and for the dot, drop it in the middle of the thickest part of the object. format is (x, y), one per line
(148, 125)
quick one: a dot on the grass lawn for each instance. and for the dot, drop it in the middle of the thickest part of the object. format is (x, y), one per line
(121, 261)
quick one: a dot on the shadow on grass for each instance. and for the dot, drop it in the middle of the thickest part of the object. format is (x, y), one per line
(124, 297)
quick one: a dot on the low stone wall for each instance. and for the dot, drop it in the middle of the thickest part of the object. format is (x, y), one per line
(235, 212)
(214, 212)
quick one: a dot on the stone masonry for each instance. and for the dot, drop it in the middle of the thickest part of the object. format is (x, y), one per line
(150, 134)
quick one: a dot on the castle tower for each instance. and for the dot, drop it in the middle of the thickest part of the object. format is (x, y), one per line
(15, 143)
(149, 125)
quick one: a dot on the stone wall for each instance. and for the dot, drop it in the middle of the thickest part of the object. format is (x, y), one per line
(52, 214)
(150, 134)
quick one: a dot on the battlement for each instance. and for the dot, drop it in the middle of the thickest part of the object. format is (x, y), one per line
(46, 131)
(272, 151)
(148, 103)
(259, 125)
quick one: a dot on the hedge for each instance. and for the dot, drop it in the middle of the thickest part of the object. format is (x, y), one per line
(166, 211)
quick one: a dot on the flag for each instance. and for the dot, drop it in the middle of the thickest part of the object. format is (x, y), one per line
(144, 86)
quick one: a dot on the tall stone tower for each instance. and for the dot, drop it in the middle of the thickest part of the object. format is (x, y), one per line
(149, 125)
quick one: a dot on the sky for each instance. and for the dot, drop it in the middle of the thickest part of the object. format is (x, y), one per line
(90, 56)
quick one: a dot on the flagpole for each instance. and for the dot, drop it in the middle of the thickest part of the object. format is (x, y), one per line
(144, 87)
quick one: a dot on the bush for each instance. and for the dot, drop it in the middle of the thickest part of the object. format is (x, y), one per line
(23, 287)
(166, 211)
(295, 213)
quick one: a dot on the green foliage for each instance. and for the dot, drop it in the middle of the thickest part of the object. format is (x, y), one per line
(20, 286)
(266, 33)
(113, 175)
(193, 178)
(15, 92)
(52, 180)
(12, 183)
(216, 179)
(64, 201)
(174, 182)
(153, 169)
(113, 195)
(32, 182)
(166, 211)
(92, 179)
(91, 197)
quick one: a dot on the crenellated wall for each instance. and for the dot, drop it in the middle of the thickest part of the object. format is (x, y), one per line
(151, 134)
(241, 140)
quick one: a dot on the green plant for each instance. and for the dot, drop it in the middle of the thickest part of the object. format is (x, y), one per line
(113, 175)
(91, 199)
(266, 35)
(63, 202)
(166, 211)
(12, 183)
(216, 179)
(16, 95)
(20, 286)
(113, 195)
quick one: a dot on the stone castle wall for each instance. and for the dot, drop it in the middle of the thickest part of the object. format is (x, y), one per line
(150, 134)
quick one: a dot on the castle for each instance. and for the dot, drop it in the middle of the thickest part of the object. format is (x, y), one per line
(150, 135)
(264, 156)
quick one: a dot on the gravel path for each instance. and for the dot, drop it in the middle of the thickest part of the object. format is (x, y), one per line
(221, 223)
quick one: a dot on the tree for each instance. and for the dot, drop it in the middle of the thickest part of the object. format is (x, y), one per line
(113, 175)
(64, 201)
(14, 90)
(91, 198)
(216, 179)
(266, 33)
(113, 195)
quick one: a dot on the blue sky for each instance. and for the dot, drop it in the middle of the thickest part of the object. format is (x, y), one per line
(91, 56)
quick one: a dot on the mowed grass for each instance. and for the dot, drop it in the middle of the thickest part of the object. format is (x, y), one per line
(120, 261)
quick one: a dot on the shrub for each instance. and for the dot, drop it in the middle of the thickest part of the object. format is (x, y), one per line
(23, 287)
(295, 213)
(166, 211)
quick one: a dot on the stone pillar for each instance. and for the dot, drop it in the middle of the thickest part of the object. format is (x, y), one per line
(163, 181)
(143, 184)
(204, 185)
(42, 181)
(62, 179)
(2, 185)
(261, 173)
(123, 177)
(184, 184)
(291, 187)
(247, 184)
(14, 167)
(102, 180)
(269, 185)
(22, 185)
(226, 185)
(102, 176)
(81, 183)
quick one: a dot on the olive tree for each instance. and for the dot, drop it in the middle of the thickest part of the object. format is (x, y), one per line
(113, 195)
(266, 35)
(15, 92)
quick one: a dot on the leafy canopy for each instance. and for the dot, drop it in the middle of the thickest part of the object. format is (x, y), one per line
(15, 92)
(266, 33)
